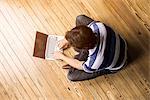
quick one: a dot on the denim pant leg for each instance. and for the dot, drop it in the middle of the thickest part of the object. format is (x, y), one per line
(80, 75)
(83, 20)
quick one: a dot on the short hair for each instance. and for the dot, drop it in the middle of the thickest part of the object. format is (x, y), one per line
(81, 37)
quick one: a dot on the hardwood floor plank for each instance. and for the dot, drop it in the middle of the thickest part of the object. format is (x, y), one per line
(23, 76)
(4, 94)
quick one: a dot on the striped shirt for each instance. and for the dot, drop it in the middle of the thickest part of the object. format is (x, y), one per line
(110, 51)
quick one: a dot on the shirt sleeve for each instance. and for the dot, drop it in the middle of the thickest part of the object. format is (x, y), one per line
(87, 66)
(86, 69)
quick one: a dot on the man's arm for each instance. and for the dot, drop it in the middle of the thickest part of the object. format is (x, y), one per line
(72, 62)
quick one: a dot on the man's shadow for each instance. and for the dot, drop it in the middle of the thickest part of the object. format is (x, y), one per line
(135, 54)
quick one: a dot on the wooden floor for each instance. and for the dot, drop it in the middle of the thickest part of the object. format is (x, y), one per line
(23, 76)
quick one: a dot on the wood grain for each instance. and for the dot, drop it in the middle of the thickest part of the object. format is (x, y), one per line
(23, 76)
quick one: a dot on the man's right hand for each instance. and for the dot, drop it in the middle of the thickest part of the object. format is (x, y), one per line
(63, 44)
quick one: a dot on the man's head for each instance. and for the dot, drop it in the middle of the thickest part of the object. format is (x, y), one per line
(81, 37)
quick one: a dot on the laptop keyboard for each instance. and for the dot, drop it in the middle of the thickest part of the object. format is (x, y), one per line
(52, 42)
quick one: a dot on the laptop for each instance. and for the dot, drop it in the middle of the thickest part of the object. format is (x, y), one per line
(45, 45)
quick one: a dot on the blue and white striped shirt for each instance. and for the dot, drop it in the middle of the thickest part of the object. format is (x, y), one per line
(110, 51)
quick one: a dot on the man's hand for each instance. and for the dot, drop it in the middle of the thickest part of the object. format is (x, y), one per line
(63, 44)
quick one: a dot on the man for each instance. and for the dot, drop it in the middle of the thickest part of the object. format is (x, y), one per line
(101, 50)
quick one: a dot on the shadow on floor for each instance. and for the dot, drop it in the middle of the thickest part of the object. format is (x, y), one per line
(134, 52)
